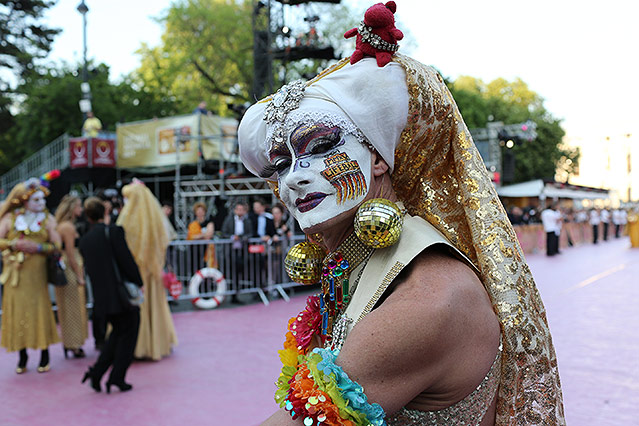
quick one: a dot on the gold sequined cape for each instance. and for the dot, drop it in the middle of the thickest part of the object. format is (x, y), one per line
(440, 176)
(147, 234)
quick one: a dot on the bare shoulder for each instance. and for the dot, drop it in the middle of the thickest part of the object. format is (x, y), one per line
(51, 221)
(435, 333)
(65, 227)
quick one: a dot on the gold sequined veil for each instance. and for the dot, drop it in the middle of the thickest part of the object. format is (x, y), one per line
(146, 229)
(440, 176)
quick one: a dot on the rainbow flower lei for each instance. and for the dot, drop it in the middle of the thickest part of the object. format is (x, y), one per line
(312, 386)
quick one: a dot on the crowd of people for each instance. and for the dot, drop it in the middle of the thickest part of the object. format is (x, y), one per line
(109, 249)
(135, 246)
(603, 222)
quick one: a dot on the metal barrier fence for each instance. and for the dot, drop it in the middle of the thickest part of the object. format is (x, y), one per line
(248, 266)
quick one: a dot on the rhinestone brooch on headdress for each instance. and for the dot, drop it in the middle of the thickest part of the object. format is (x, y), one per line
(284, 101)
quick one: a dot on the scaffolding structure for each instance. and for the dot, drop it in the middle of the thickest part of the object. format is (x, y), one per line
(54, 155)
(189, 188)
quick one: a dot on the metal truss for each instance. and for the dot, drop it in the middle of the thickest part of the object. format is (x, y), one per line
(232, 187)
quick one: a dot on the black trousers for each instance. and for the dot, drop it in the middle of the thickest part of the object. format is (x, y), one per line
(552, 243)
(617, 229)
(605, 232)
(98, 325)
(120, 345)
(595, 233)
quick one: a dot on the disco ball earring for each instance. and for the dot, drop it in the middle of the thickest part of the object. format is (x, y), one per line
(379, 223)
(303, 263)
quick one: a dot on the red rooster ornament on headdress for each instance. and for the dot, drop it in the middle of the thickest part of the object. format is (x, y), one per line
(376, 34)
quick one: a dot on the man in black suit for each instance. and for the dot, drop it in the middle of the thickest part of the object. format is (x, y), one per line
(263, 225)
(264, 228)
(239, 228)
(99, 252)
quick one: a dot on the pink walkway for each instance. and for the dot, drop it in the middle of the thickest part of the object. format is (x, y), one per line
(223, 370)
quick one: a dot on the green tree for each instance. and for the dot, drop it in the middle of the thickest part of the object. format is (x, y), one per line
(23, 37)
(206, 51)
(206, 54)
(514, 102)
(23, 40)
(50, 106)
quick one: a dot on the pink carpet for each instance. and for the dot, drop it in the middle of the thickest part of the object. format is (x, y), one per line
(222, 371)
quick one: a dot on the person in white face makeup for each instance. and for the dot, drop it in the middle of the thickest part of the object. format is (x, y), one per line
(27, 235)
(428, 329)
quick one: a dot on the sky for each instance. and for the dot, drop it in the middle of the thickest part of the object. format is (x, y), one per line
(579, 55)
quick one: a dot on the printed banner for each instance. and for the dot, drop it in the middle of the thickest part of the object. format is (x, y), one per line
(78, 152)
(220, 138)
(153, 143)
(103, 152)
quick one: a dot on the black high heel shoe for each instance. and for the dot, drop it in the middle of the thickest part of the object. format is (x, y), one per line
(77, 353)
(95, 382)
(124, 387)
(22, 362)
(43, 367)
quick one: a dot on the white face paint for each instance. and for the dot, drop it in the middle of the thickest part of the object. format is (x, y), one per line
(322, 173)
(37, 202)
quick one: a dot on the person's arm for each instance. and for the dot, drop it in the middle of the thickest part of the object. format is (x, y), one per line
(124, 258)
(54, 236)
(210, 230)
(5, 225)
(270, 227)
(68, 233)
(228, 226)
(249, 230)
(194, 231)
(435, 332)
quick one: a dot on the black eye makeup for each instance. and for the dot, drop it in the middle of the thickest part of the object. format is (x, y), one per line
(306, 140)
(280, 165)
(314, 139)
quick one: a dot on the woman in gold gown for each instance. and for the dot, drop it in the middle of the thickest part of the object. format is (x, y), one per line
(27, 235)
(148, 233)
(71, 298)
(633, 228)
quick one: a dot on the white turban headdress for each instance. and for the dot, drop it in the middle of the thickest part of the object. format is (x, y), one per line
(374, 101)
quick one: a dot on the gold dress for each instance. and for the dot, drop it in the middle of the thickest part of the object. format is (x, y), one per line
(72, 310)
(157, 334)
(27, 317)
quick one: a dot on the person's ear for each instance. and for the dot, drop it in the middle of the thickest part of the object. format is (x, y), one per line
(379, 165)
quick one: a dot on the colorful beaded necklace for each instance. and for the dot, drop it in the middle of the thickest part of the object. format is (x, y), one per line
(336, 285)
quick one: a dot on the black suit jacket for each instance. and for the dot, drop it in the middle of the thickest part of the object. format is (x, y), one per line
(269, 229)
(228, 227)
(98, 257)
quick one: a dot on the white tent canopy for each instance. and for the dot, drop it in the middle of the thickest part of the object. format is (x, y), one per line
(543, 190)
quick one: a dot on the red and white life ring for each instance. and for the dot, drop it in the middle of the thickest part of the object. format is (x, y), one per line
(194, 288)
